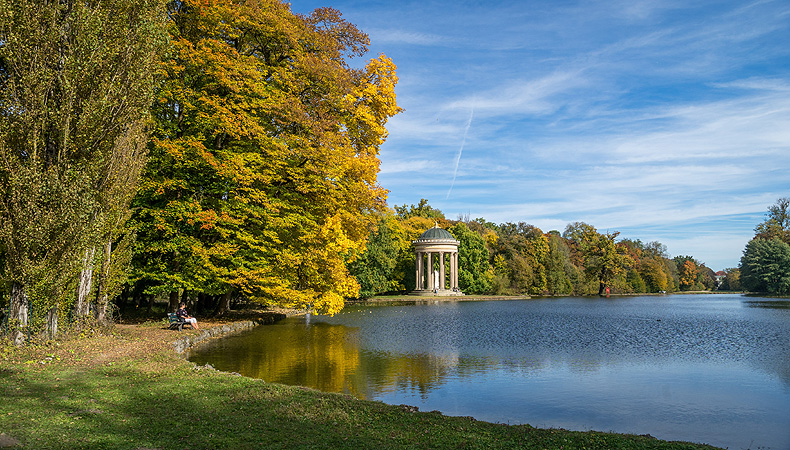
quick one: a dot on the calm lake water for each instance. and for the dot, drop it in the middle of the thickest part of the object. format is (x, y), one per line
(700, 368)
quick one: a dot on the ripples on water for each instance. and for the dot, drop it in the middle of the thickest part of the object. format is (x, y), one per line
(701, 368)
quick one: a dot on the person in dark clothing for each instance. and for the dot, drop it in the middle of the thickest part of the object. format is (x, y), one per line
(183, 315)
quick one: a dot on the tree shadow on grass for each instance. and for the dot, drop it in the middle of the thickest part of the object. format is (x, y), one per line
(123, 408)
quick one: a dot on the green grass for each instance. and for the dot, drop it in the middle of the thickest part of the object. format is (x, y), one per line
(89, 393)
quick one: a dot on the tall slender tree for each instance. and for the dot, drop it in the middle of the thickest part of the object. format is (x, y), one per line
(76, 80)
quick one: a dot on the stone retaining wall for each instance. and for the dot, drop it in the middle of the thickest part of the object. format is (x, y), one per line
(185, 343)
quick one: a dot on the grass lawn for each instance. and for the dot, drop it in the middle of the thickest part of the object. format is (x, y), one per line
(128, 389)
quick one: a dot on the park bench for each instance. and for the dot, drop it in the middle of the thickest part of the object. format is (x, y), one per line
(176, 323)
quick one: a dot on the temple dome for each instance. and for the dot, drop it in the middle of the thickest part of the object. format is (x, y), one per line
(436, 233)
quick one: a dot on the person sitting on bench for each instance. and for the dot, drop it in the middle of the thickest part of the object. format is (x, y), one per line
(183, 315)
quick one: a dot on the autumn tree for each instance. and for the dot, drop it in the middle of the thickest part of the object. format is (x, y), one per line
(693, 274)
(688, 275)
(604, 259)
(520, 252)
(264, 160)
(652, 271)
(76, 80)
(706, 277)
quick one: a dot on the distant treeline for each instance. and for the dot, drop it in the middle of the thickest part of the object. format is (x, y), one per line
(518, 258)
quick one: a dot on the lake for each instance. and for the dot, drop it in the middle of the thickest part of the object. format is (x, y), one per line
(700, 368)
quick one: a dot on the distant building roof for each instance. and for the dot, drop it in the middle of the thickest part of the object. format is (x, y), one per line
(436, 233)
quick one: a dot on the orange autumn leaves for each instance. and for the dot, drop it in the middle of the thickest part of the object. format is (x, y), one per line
(264, 156)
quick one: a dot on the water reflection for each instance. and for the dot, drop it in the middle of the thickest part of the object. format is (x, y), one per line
(321, 356)
(775, 304)
(700, 368)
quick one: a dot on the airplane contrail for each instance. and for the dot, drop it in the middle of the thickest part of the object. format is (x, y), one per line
(460, 150)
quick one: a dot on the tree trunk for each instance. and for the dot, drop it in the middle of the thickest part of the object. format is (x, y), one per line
(101, 288)
(52, 322)
(82, 305)
(223, 306)
(18, 313)
(151, 298)
(173, 306)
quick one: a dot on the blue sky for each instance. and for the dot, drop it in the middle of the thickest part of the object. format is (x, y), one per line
(663, 120)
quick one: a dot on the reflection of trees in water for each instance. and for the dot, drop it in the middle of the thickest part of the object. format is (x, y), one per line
(319, 356)
(388, 373)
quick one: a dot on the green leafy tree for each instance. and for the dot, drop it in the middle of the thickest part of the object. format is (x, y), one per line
(474, 273)
(374, 270)
(76, 80)
(765, 266)
(523, 249)
(560, 271)
(635, 280)
(777, 222)
(604, 259)
(732, 280)
(706, 277)
(422, 209)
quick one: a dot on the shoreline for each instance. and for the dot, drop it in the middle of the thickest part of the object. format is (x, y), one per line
(437, 297)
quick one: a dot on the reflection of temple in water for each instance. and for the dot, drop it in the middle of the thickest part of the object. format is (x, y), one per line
(436, 247)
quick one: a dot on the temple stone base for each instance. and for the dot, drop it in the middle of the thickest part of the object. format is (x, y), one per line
(438, 293)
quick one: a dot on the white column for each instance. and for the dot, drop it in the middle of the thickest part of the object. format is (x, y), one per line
(422, 270)
(442, 284)
(417, 256)
(455, 270)
(430, 271)
(452, 270)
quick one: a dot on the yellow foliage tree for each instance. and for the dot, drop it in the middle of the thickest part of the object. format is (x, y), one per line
(688, 275)
(265, 158)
